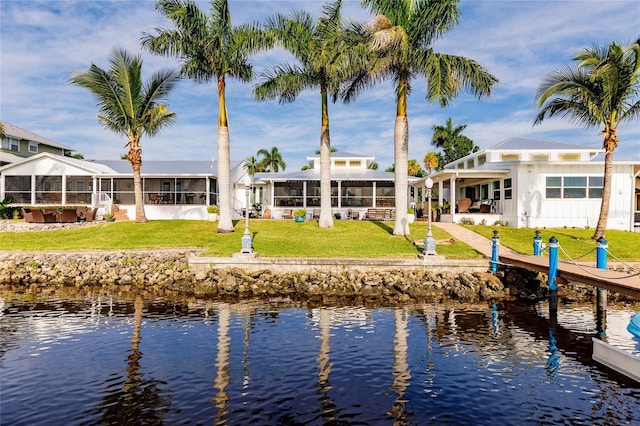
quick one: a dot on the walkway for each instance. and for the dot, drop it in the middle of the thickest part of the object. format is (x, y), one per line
(473, 239)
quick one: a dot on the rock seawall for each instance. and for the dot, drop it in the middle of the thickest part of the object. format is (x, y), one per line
(167, 274)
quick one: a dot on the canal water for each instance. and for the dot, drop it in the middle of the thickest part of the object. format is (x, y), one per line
(96, 359)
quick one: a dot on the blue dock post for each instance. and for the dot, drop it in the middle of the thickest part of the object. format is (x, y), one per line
(537, 244)
(495, 250)
(601, 293)
(553, 263)
(601, 253)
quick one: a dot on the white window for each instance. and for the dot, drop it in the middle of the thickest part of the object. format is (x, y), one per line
(11, 144)
(33, 147)
(574, 186)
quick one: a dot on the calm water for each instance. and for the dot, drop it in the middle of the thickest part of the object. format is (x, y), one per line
(97, 360)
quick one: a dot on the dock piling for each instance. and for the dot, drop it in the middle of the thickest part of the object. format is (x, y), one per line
(495, 249)
(553, 263)
(537, 244)
(601, 293)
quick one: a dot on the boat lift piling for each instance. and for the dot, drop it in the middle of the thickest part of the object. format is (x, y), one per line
(601, 293)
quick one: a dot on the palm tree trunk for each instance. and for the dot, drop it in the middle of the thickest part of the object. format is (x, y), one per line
(401, 158)
(135, 158)
(224, 177)
(326, 220)
(601, 227)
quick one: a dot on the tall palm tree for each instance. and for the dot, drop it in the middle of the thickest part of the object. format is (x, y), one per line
(452, 142)
(603, 89)
(271, 160)
(210, 47)
(322, 51)
(130, 106)
(401, 38)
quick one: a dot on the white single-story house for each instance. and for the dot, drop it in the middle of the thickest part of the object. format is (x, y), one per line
(171, 189)
(355, 187)
(535, 184)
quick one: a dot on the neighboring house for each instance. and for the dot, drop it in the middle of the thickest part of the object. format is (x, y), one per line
(354, 187)
(534, 184)
(171, 189)
(19, 143)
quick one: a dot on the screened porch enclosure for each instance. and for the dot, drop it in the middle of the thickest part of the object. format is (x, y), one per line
(162, 191)
(344, 194)
(79, 190)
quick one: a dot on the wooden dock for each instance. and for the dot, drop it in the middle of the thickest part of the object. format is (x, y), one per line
(617, 281)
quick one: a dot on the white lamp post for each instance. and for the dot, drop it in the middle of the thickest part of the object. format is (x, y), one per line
(429, 241)
(247, 241)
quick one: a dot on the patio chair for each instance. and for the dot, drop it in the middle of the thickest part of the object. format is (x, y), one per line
(41, 217)
(67, 216)
(287, 214)
(28, 216)
(316, 214)
(463, 205)
(352, 215)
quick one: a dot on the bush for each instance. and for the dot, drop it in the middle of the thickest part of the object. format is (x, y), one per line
(6, 211)
(213, 209)
(467, 221)
(337, 215)
(300, 213)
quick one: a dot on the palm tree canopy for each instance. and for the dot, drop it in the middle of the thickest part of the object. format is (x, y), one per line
(127, 104)
(453, 143)
(401, 37)
(602, 89)
(252, 165)
(208, 46)
(323, 50)
(431, 161)
(271, 160)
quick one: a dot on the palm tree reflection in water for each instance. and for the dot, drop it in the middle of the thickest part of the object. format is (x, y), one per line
(223, 377)
(139, 401)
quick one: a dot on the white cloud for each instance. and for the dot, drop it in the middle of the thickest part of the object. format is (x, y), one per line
(43, 42)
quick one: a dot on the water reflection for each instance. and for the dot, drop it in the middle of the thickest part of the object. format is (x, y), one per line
(204, 362)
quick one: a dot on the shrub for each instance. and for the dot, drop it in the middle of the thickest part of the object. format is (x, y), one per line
(300, 213)
(467, 221)
(213, 209)
(337, 215)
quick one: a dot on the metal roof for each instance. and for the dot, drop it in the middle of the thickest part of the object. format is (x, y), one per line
(337, 174)
(529, 144)
(165, 167)
(13, 131)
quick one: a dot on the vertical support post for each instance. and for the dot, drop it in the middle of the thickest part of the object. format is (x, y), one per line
(495, 250)
(553, 263)
(601, 293)
(537, 244)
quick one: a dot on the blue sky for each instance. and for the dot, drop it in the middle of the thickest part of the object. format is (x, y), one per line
(43, 42)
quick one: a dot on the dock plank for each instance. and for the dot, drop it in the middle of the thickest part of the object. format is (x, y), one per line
(617, 281)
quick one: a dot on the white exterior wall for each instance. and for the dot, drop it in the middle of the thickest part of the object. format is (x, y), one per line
(532, 209)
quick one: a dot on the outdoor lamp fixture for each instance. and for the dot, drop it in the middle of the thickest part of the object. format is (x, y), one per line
(429, 241)
(247, 241)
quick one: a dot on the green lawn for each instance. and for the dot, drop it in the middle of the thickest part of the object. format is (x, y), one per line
(577, 243)
(277, 238)
(285, 238)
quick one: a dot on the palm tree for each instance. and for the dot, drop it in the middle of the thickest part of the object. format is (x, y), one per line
(130, 106)
(252, 165)
(210, 47)
(431, 161)
(453, 143)
(271, 160)
(401, 39)
(322, 51)
(601, 90)
(414, 168)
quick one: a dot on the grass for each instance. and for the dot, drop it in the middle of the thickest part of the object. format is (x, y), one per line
(272, 238)
(285, 238)
(574, 243)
